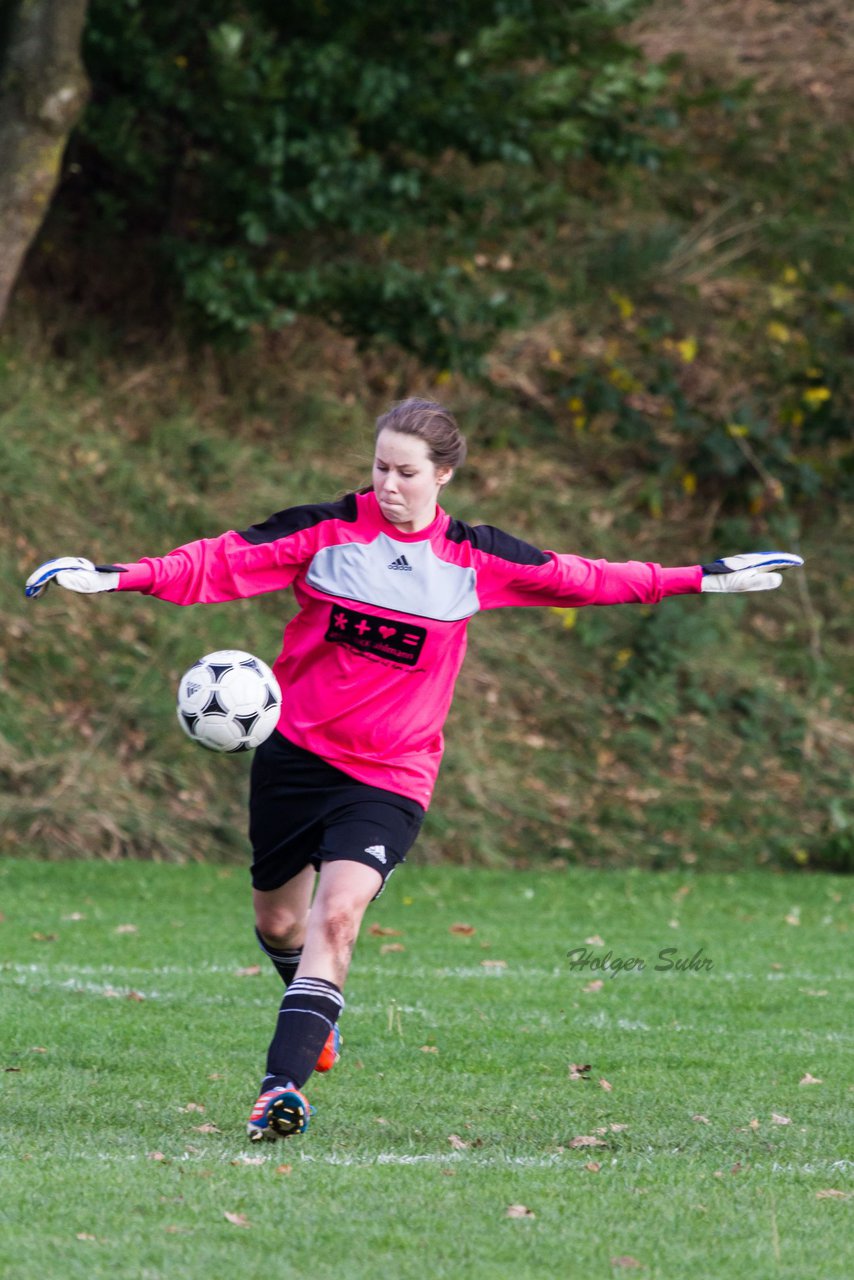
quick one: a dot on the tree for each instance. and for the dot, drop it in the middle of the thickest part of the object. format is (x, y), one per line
(43, 89)
(267, 159)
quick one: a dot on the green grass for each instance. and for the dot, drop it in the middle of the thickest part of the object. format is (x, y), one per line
(97, 1079)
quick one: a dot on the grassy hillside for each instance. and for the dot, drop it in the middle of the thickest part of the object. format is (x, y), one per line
(685, 399)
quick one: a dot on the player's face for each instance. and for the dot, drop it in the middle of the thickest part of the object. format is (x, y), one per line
(406, 481)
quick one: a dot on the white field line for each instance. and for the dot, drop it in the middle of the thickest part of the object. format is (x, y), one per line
(473, 1159)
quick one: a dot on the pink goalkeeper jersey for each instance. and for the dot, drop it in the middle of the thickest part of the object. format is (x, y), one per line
(368, 665)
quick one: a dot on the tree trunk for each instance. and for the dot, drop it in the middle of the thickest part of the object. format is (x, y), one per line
(43, 89)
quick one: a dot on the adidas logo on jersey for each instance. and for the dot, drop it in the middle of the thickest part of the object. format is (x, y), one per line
(377, 851)
(401, 563)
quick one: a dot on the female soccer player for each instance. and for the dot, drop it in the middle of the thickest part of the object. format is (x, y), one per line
(386, 583)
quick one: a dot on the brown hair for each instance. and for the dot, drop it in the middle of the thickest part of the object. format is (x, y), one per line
(430, 422)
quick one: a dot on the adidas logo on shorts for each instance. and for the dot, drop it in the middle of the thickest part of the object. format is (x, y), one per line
(401, 563)
(377, 851)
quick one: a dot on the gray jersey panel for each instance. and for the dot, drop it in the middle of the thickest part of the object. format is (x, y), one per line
(407, 577)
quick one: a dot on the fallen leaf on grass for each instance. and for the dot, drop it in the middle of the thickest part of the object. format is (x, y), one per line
(494, 964)
(251, 971)
(519, 1211)
(391, 946)
(46, 937)
(578, 1071)
(193, 1106)
(465, 930)
(698, 1119)
(596, 985)
(237, 1219)
(794, 916)
(84, 1235)
(808, 1079)
(458, 1143)
(136, 996)
(625, 1260)
(595, 941)
(603, 1084)
(429, 1048)
(831, 1193)
(206, 1128)
(593, 1166)
(284, 1168)
(778, 1119)
(377, 931)
(587, 1140)
(126, 928)
(75, 915)
(249, 1160)
(611, 1128)
(38, 1048)
(155, 1155)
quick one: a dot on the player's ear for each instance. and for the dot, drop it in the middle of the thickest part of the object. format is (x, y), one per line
(444, 474)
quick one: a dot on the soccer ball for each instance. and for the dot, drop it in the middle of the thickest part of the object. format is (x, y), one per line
(229, 701)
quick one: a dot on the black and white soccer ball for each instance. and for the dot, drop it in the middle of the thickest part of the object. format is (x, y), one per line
(229, 701)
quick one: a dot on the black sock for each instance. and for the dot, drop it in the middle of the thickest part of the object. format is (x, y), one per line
(308, 1013)
(285, 961)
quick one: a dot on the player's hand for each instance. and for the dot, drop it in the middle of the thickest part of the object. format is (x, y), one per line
(757, 571)
(75, 574)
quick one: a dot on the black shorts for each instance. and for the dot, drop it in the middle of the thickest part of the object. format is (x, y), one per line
(304, 811)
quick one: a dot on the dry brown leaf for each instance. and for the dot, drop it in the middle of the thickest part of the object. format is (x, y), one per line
(38, 1048)
(587, 1140)
(391, 946)
(465, 930)
(237, 1219)
(377, 931)
(84, 1235)
(155, 1155)
(593, 1166)
(429, 1048)
(753, 1124)
(249, 1160)
(49, 937)
(135, 995)
(193, 1106)
(126, 928)
(794, 916)
(698, 1119)
(618, 1128)
(519, 1211)
(251, 971)
(206, 1128)
(603, 1084)
(806, 1078)
(778, 1119)
(494, 964)
(625, 1260)
(457, 1142)
(596, 985)
(831, 1193)
(284, 1168)
(595, 941)
(579, 1071)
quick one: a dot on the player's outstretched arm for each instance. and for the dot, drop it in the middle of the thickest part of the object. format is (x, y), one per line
(75, 574)
(756, 571)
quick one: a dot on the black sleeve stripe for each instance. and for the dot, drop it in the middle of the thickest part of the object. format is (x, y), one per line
(496, 542)
(295, 519)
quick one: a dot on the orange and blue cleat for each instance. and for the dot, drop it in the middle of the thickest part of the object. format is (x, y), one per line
(331, 1051)
(279, 1113)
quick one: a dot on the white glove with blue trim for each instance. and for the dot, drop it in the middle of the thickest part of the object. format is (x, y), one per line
(757, 571)
(75, 574)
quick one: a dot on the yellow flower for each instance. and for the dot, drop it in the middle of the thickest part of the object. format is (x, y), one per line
(790, 275)
(624, 656)
(443, 378)
(778, 332)
(575, 404)
(568, 615)
(579, 421)
(815, 397)
(736, 429)
(689, 483)
(687, 349)
(554, 356)
(624, 305)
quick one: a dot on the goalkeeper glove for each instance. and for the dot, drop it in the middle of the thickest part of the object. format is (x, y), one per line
(757, 571)
(75, 574)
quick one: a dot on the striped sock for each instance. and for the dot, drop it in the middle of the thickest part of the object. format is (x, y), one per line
(285, 961)
(308, 1013)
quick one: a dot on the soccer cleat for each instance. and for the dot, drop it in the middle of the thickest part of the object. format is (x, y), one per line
(278, 1113)
(331, 1051)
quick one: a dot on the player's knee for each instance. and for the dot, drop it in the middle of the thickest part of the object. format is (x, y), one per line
(340, 925)
(280, 927)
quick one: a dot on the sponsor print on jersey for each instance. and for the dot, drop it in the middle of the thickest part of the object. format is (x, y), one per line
(384, 637)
